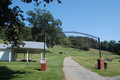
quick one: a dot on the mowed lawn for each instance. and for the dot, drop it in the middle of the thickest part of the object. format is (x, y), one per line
(31, 70)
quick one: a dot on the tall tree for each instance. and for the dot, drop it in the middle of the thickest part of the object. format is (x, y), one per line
(117, 48)
(44, 24)
(11, 17)
(73, 42)
(111, 45)
(104, 45)
(14, 35)
(27, 36)
(66, 42)
(39, 1)
(10, 22)
(79, 43)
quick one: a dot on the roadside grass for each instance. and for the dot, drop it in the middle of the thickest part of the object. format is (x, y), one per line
(31, 70)
(112, 67)
(86, 59)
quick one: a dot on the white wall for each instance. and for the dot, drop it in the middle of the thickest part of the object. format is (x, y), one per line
(4, 55)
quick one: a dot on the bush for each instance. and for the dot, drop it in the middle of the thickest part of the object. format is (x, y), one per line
(61, 52)
(86, 48)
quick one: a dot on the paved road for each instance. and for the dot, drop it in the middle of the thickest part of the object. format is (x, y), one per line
(74, 71)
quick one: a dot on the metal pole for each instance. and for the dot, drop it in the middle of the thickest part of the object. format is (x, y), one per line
(99, 47)
(44, 46)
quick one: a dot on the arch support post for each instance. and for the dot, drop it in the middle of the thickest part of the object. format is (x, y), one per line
(99, 47)
(100, 61)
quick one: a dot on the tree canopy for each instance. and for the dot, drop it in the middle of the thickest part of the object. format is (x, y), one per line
(10, 18)
(40, 1)
(44, 24)
(10, 21)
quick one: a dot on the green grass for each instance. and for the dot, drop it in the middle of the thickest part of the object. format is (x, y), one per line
(97, 51)
(86, 59)
(31, 70)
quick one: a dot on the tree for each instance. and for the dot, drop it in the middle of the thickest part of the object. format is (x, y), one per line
(111, 45)
(104, 45)
(2, 35)
(66, 42)
(59, 36)
(93, 43)
(11, 17)
(15, 34)
(79, 43)
(44, 24)
(73, 41)
(117, 48)
(27, 36)
(82, 42)
(39, 2)
(10, 22)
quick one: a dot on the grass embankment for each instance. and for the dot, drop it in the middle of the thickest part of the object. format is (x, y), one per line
(31, 70)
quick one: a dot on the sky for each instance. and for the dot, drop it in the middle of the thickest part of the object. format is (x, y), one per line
(100, 18)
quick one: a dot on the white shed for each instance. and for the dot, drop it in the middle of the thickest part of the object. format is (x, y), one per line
(7, 53)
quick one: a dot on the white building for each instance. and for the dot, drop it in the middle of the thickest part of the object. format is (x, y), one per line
(7, 53)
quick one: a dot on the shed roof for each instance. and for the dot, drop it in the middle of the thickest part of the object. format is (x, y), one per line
(32, 46)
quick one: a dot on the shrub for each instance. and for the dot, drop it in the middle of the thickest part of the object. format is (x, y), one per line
(61, 52)
(86, 48)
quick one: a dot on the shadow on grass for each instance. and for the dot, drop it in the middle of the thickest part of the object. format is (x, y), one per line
(47, 51)
(24, 60)
(92, 67)
(41, 70)
(7, 74)
(38, 69)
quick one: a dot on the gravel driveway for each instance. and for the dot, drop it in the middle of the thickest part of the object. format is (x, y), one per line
(74, 71)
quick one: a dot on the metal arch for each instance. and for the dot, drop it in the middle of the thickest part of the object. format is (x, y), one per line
(80, 33)
(87, 35)
(77, 33)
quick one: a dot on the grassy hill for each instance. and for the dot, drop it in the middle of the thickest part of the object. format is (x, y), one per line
(31, 70)
(89, 58)
(97, 51)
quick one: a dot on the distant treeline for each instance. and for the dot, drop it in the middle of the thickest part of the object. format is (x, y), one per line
(111, 46)
(38, 34)
(52, 38)
(84, 43)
